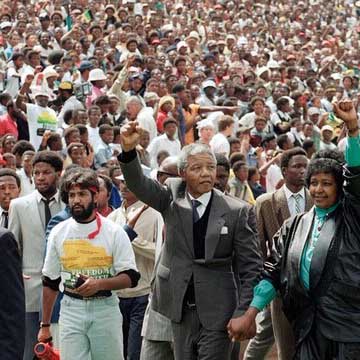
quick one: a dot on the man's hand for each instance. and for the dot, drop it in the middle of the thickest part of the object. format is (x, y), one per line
(131, 221)
(89, 287)
(345, 110)
(44, 334)
(29, 79)
(243, 327)
(130, 135)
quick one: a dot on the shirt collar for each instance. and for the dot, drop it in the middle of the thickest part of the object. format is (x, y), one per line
(321, 213)
(39, 197)
(289, 194)
(2, 210)
(204, 198)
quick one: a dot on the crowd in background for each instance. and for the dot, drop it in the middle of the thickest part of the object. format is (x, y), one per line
(250, 79)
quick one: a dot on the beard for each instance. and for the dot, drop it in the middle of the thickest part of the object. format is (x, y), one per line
(84, 214)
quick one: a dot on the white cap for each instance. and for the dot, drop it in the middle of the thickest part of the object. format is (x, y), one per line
(205, 123)
(5, 24)
(272, 64)
(49, 72)
(40, 92)
(326, 127)
(96, 74)
(261, 70)
(208, 83)
(181, 44)
(314, 111)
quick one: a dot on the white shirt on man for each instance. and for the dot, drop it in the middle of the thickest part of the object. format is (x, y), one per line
(220, 144)
(291, 201)
(162, 142)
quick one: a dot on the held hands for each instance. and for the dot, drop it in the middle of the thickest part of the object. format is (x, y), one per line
(130, 135)
(243, 327)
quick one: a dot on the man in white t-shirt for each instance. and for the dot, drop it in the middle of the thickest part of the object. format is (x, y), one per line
(219, 143)
(94, 114)
(40, 117)
(88, 256)
(165, 141)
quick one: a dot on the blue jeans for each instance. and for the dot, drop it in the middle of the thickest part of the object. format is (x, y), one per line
(90, 329)
(133, 311)
(31, 332)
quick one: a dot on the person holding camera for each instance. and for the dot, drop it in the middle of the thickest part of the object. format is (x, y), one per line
(39, 116)
(90, 256)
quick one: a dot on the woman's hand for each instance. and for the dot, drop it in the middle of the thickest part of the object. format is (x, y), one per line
(345, 110)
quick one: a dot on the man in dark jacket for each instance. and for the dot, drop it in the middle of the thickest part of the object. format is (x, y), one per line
(12, 299)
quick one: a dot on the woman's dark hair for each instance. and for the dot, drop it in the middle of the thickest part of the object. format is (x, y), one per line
(49, 157)
(85, 178)
(327, 162)
(288, 154)
(252, 171)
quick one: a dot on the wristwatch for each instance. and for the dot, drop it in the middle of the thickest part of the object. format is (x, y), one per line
(43, 325)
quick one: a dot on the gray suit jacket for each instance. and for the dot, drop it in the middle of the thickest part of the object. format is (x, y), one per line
(229, 237)
(271, 211)
(29, 231)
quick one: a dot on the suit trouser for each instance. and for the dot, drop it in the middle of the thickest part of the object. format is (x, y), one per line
(159, 350)
(261, 344)
(193, 342)
(31, 331)
(133, 312)
(283, 332)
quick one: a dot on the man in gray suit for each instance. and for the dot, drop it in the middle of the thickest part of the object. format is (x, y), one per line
(28, 217)
(205, 232)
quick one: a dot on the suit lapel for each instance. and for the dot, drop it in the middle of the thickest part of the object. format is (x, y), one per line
(281, 205)
(185, 217)
(215, 224)
(299, 241)
(321, 249)
(35, 211)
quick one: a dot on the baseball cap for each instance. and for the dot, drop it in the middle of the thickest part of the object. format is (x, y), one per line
(86, 65)
(208, 83)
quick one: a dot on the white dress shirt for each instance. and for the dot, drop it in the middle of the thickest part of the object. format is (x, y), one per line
(204, 199)
(291, 200)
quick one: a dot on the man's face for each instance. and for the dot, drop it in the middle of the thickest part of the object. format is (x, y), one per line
(132, 110)
(170, 129)
(8, 190)
(199, 174)
(42, 100)
(294, 174)
(82, 203)
(27, 163)
(108, 136)
(44, 39)
(94, 118)
(222, 177)
(45, 178)
(206, 133)
(74, 137)
(103, 197)
(77, 155)
(242, 173)
(126, 194)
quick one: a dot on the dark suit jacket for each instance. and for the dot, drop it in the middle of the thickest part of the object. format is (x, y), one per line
(12, 299)
(229, 237)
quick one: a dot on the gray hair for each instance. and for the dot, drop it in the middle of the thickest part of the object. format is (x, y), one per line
(135, 99)
(191, 150)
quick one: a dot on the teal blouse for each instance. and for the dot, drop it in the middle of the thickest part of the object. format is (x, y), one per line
(265, 292)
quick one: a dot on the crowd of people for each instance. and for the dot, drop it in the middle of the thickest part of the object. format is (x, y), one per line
(179, 176)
